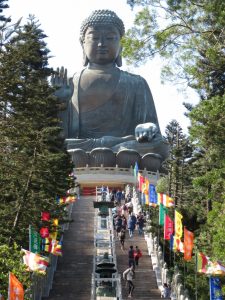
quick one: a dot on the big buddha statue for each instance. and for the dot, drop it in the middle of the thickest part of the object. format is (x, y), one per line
(108, 115)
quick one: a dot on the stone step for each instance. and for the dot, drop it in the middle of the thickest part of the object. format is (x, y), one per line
(72, 279)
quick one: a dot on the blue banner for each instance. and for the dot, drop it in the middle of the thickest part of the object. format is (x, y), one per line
(152, 194)
(215, 288)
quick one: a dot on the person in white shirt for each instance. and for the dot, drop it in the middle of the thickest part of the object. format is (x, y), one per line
(129, 275)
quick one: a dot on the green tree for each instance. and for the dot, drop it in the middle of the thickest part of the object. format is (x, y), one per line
(188, 35)
(35, 164)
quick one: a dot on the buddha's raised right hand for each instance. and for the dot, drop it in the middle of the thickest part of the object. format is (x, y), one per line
(63, 85)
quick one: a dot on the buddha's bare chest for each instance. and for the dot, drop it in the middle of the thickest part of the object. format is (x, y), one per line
(96, 89)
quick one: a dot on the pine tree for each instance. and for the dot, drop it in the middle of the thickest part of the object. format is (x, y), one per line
(36, 164)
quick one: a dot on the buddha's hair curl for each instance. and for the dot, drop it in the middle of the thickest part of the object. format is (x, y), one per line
(102, 17)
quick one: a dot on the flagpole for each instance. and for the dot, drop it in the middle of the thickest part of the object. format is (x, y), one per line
(196, 266)
(9, 288)
(29, 237)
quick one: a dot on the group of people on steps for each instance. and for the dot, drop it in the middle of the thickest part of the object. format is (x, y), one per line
(124, 220)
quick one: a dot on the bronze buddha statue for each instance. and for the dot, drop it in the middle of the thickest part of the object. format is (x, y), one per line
(106, 107)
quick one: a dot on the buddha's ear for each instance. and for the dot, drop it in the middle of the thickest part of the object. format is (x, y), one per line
(119, 58)
(85, 59)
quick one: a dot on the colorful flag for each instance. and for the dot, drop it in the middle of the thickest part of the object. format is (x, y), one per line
(35, 262)
(70, 199)
(15, 291)
(215, 268)
(215, 288)
(53, 235)
(162, 212)
(159, 198)
(178, 225)
(168, 227)
(202, 263)
(152, 195)
(44, 232)
(55, 222)
(140, 181)
(34, 240)
(145, 190)
(45, 216)
(57, 248)
(166, 200)
(188, 244)
(46, 245)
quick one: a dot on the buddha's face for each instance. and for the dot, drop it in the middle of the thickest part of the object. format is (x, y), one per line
(102, 44)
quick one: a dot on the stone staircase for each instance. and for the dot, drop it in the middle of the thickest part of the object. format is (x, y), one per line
(145, 280)
(72, 280)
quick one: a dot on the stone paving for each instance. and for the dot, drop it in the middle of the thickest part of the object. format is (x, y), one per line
(72, 280)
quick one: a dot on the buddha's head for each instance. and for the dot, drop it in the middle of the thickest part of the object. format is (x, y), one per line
(100, 36)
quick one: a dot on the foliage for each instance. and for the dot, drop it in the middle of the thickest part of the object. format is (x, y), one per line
(11, 261)
(188, 35)
(34, 163)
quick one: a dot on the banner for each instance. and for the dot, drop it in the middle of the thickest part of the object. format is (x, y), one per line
(168, 227)
(215, 288)
(15, 291)
(34, 240)
(152, 195)
(178, 225)
(188, 244)
(202, 262)
(35, 262)
(162, 212)
(166, 200)
(140, 181)
(45, 216)
(145, 190)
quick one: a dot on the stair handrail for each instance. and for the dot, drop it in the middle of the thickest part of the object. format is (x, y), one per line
(178, 292)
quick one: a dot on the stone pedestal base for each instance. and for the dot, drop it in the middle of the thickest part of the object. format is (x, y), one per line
(123, 159)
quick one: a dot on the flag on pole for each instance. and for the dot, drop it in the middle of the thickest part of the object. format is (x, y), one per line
(34, 240)
(178, 225)
(35, 262)
(141, 180)
(44, 232)
(15, 290)
(57, 248)
(162, 212)
(45, 216)
(145, 190)
(168, 227)
(202, 262)
(152, 195)
(166, 200)
(215, 268)
(215, 288)
(188, 244)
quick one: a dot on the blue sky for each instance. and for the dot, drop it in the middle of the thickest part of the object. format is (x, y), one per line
(60, 20)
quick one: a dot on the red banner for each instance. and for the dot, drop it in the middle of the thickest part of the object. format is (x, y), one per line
(188, 244)
(168, 227)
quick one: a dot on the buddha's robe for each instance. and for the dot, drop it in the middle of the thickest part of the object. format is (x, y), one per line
(130, 104)
(112, 124)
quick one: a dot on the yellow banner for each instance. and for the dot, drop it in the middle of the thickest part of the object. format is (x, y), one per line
(178, 225)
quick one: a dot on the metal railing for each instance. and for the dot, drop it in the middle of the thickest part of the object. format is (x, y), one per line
(104, 243)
